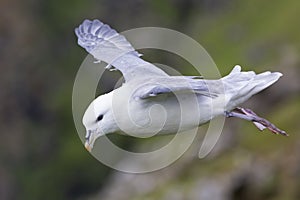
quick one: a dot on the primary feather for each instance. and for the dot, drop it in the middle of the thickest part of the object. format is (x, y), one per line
(94, 34)
(105, 44)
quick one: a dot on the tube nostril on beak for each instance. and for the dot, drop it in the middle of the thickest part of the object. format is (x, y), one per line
(87, 140)
(88, 135)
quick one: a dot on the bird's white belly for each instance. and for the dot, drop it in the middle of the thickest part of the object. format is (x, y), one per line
(166, 114)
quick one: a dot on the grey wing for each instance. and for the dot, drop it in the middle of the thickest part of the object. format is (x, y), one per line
(159, 86)
(105, 44)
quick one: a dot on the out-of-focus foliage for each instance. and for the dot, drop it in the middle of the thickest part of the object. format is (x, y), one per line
(41, 154)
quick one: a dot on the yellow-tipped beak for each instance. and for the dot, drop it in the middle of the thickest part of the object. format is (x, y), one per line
(87, 146)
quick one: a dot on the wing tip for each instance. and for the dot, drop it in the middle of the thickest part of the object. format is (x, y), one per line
(236, 69)
(92, 33)
(279, 74)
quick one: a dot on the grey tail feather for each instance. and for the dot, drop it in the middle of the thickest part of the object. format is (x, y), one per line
(242, 85)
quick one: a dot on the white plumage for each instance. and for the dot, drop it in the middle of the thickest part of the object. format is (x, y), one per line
(151, 101)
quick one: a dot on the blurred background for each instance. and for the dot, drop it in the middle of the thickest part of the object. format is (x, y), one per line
(41, 154)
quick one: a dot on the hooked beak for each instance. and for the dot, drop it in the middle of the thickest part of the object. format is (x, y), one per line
(88, 146)
(89, 140)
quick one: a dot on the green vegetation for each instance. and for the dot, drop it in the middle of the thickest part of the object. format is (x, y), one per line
(43, 158)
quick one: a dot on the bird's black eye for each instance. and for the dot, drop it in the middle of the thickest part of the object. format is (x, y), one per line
(99, 118)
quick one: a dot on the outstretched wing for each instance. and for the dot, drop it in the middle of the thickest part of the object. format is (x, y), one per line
(176, 85)
(105, 44)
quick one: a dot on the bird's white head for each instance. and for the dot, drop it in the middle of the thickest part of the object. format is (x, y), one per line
(98, 120)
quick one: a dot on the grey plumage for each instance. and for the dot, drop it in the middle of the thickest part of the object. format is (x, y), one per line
(145, 84)
(105, 44)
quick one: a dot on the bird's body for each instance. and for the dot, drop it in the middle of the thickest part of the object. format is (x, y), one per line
(152, 102)
(145, 117)
(163, 113)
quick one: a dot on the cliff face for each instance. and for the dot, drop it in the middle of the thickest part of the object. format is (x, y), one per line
(254, 166)
(41, 154)
(246, 163)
